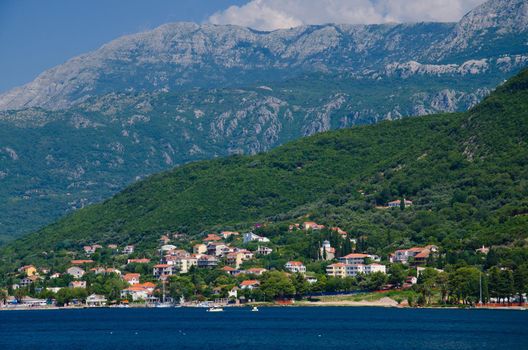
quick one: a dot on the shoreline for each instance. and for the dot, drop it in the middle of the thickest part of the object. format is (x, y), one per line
(348, 304)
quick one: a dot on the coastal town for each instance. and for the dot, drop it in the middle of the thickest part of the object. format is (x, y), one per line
(230, 268)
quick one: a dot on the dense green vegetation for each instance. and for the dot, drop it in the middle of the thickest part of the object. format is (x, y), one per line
(466, 174)
(68, 159)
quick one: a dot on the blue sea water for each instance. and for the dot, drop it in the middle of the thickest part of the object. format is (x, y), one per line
(271, 328)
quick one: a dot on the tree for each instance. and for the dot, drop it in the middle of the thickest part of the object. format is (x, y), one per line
(520, 281)
(276, 284)
(397, 274)
(301, 285)
(181, 285)
(464, 284)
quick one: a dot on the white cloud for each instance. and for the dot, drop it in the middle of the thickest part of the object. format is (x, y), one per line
(275, 14)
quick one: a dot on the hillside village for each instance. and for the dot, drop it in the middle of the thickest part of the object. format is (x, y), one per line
(224, 267)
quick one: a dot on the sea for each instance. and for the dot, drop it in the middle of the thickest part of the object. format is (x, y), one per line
(270, 328)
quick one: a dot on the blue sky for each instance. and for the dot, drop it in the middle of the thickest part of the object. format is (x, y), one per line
(38, 34)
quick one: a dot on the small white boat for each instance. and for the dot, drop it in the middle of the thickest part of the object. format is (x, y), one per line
(215, 309)
(254, 309)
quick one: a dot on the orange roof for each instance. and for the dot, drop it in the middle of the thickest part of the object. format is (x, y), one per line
(161, 266)
(147, 285)
(249, 282)
(139, 261)
(228, 268)
(423, 254)
(256, 269)
(80, 262)
(295, 263)
(212, 237)
(356, 255)
(130, 276)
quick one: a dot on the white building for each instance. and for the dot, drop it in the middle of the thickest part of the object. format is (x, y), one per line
(262, 250)
(96, 300)
(251, 237)
(75, 271)
(351, 270)
(295, 267)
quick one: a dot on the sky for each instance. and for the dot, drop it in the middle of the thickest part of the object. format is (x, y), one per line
(38, 34)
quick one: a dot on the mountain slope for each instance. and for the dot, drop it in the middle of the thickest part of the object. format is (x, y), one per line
(183, 92)
(465, 172)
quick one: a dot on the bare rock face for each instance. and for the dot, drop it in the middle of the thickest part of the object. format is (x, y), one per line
(180, 55)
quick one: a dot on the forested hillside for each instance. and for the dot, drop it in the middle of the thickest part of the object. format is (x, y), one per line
(466, 174)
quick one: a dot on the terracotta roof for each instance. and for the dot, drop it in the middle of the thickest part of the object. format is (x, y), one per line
(159, 266)
(228, 268)
(249, 282)
(80, 262)
(356, 255)
(295, 263)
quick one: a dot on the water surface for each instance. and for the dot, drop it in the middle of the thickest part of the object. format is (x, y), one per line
(271, 328)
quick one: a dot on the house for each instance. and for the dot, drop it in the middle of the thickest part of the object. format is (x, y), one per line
(139, 291)
(354, 258)
(294, 227)
(262, 250)
(295, 267)
(28, 280)
(112, 246)
(326, 251)
(54, 289)
(199, 248)
(483, 250)
(77, 284)
(90, 249)
(75, 271)
(55, 275)
(342, 270)
(249, 284)
(163, 270)
(94, 300)
(256, 271)
(339, 231)
(129, 249)
(33, 302)
(28, 270)
(138, 261)
(235, 258)
(310, 225)
(167, 248)
(397, 203)
(178, 253)
(98, 270)
(216, 248)
(207, 262)
(212, 238)
(419, 255)
(132, 278)
(311, 279)
(184, 264)
(233, 293)
(227, 234)
(250, 237)
(82, 262)
(337, 270)
(112, 270)
(164, 239)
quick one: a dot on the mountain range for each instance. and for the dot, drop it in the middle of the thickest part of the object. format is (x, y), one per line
(147, 102)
